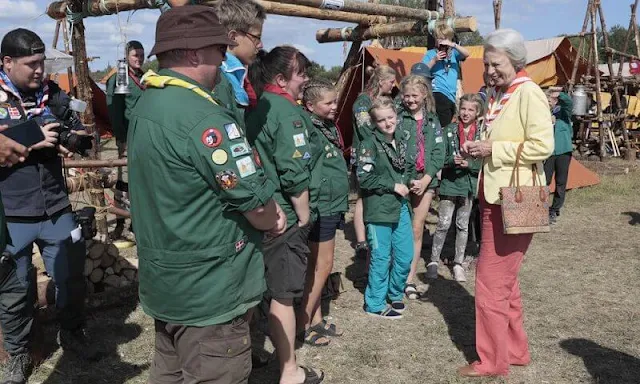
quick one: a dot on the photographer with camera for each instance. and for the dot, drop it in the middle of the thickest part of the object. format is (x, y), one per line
(36, 203)
(444, 62)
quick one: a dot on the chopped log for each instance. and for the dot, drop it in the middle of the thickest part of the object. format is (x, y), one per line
(131, 263)
(96, 263)
(114, 163)
(112, 281)
(96, 275)
(107, 260)
(370, 9)
(91, 288)
(117, 267)
(88, 267)
(409, 28)
(97, 250)
(112, 250)
(109, 271)
(130, 274)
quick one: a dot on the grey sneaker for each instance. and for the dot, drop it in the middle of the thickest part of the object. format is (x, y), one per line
(553, 218)
(78, 342)
(432, 270)
(389, 314)
(458, 273)
(18, 369)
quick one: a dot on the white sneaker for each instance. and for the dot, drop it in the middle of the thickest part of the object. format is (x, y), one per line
(458, 273)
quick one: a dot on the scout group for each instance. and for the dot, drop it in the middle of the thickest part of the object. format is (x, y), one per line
(239, 184)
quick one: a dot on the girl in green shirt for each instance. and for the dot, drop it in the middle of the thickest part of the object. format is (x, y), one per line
(330, 190)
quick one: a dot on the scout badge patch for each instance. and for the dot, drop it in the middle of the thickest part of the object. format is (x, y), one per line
(219, 156)
(246, 167)
(232, 131)
(211, 138)
(297, 154)
(306, 156)
(240, 244)
(227, 179)
(256, 157)
(3, 113)
(298, 124)
(240, 149)
(3, 97)
(14, 113)
(299, 140)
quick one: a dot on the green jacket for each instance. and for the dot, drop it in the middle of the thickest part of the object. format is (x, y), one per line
(120, 106)
(563, 128)
(223, 93)
(279, 131)
(458, 181)
(200, 258)
(362, 127)
(433, 141)
(329, 174)
(377, 176)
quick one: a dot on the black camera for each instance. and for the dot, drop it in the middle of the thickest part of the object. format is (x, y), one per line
(66, 113)
(443, 48)
(86, 218)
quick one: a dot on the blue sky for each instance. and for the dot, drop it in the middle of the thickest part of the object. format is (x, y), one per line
(533, 18)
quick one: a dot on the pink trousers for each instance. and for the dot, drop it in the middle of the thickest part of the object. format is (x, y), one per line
(500, 337)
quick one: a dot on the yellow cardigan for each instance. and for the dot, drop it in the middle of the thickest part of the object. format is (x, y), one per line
(525, 117)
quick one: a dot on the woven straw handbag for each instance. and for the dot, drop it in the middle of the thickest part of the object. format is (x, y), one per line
(525, 209)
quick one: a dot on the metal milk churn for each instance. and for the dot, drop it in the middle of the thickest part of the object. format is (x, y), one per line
(580, 101)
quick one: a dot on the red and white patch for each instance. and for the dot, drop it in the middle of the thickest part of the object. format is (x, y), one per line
(211, 137)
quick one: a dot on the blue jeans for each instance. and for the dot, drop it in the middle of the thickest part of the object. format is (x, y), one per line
(387, 275)
(63, 261)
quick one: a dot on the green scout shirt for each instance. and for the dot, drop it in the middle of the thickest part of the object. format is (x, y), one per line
(563, 129)
(362, 127)
(377, 176)
(279, 131)
(329, 174)
(433, 141)
(457, 181)
(200, 258)
(120, 106)
(223, 93)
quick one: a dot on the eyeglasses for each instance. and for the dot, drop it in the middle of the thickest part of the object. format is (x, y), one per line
(255, 38)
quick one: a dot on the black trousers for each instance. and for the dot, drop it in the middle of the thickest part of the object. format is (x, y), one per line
(558, 165)
(445, 108)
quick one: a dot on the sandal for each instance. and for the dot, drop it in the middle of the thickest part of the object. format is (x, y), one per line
(361, 282)
(311, 377)
(311, 337)
(326, 329)
(411, 292)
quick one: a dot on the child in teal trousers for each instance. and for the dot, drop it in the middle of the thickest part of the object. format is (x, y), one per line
(386, 172)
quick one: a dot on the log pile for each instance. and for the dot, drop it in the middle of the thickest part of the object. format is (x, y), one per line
(105, 269)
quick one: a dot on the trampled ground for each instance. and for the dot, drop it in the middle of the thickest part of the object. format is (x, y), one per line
(581, 289)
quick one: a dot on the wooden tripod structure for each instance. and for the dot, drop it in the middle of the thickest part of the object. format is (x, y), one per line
(615, 83)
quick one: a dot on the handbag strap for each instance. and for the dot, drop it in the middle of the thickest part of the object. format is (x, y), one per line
(515, 174)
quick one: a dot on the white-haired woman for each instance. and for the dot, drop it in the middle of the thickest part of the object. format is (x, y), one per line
(518, 112)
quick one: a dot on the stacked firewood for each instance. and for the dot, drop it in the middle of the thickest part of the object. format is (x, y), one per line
(105, 269)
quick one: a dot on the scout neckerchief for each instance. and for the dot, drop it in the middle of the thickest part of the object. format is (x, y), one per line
(135, 79)
(326, 131)
(398, 155)
(495, 106)
(42, 96)
(470, 136)
(253, 97)
(152, 79)
(272, 88)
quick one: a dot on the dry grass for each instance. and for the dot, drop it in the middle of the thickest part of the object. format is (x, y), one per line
(580, 288)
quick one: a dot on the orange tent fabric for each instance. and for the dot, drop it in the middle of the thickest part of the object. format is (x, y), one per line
(579, 177)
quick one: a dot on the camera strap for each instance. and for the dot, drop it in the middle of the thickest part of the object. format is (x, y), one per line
(42, 96)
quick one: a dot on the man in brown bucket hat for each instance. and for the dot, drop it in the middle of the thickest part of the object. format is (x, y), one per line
(200, 204)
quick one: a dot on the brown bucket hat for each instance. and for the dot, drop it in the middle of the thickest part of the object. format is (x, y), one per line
(189, 27)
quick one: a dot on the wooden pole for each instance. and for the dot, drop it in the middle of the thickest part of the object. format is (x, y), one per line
(409, 28)
(67, 50)
(632, 21)
(56, 10)
(594, 47)
(113, 163)
(348, 68)
(623, 54)
(371, 9)
(576, 62)
(635, 27)
(616, 90)
(449, 8)
(497, 12)
(56, 35)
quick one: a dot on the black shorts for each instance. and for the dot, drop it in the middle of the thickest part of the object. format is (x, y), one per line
(445, 108)
(324, 229)
(285, 262)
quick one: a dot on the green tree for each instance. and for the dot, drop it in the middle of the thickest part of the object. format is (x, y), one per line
(318, 71)
(150, 65)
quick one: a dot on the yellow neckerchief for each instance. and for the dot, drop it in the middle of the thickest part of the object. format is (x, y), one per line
(152, 79)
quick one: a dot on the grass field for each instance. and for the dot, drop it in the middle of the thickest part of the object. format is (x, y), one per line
(581, 290)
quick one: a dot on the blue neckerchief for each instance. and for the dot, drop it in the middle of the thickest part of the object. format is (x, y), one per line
(235, 72)
(8, 86)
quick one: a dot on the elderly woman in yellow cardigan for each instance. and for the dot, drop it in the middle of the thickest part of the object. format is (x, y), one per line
(517, 112)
